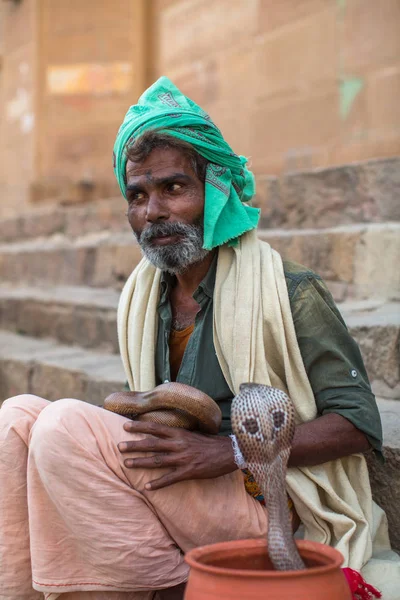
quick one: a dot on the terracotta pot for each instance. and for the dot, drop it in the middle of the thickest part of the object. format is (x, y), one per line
(241, 570)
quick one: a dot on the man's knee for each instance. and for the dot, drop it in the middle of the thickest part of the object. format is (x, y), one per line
(60, 420)
(56, 415)
(21, 406)
(21, 401)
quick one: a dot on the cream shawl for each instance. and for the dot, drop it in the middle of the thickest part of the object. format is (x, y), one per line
(255, 341)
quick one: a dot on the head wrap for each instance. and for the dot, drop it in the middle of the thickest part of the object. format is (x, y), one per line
(229, 185)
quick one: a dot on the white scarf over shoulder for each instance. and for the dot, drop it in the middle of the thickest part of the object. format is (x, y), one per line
(255, 341)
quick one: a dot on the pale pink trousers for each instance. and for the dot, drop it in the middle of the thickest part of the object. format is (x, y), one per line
(75, 521)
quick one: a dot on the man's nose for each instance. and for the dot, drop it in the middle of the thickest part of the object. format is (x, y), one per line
(157, 209)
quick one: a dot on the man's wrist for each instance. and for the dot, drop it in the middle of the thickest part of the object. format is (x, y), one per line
(237, 454)
(225, 457)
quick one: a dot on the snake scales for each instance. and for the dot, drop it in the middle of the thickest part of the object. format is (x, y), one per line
(263, 422)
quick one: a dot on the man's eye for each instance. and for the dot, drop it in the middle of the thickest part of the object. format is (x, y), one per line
(174, 187)
(135, 197)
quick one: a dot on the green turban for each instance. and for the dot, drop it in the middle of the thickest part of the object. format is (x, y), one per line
(229, 185)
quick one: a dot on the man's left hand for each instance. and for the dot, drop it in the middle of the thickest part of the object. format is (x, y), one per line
(188, 454)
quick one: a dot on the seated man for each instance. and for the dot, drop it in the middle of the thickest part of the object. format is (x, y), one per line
(93, 506)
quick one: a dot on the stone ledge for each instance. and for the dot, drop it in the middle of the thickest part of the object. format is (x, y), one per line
(385, 479)
(365, 192)
(73, 221)
(98, 259)
(361, 261)
(70, 315)
(350, 258)
(48, 369)
(87, 316)
(376, 328)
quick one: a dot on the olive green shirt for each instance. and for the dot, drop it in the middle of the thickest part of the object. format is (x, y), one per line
(331, 357)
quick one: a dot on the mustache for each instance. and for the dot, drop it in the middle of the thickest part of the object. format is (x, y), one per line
(166, 229)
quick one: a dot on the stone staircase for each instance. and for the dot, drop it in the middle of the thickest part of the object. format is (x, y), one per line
(61, 270)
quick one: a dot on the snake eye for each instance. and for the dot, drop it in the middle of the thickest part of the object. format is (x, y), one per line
(251, 425)
(278, 418)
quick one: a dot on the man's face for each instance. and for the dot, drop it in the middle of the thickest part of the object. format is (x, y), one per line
(165, 209)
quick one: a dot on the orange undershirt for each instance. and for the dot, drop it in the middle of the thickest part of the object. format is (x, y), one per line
(177, 343)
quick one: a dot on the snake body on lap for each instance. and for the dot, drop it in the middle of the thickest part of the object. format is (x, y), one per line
(174, 404)
(263, 423)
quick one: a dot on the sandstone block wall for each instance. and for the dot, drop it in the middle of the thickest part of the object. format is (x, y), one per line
(17, 104)
(91, 71)
(70, 70)
(292, 84)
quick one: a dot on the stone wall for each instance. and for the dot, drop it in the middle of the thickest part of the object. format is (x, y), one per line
(91, 69)
(293, 84)
(69, 72)
(18, 82)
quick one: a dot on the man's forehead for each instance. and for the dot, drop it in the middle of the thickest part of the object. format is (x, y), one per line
(160, 163)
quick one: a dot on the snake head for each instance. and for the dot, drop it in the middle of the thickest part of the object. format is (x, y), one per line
(263, 422)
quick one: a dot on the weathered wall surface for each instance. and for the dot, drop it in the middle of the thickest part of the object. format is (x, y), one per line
(17, 103)
(69, 71)
(292, 84)
(91, 69)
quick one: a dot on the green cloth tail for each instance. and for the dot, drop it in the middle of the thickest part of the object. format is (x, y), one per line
(229, 184)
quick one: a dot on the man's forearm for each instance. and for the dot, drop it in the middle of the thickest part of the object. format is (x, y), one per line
(326, 438)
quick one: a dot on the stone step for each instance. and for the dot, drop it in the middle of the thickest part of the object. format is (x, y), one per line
(364, 192)
(71, 221)
(376, 328)
(98, 259)
(385, 478)
(71, 315)
(87, 317)
(357, 261)
(51, 370)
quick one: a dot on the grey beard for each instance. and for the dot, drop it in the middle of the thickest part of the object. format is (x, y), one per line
(174, 258)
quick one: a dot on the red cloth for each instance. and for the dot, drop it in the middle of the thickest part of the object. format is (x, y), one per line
(360, 589)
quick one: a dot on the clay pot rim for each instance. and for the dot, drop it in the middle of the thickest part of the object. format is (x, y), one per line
(192, 559)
